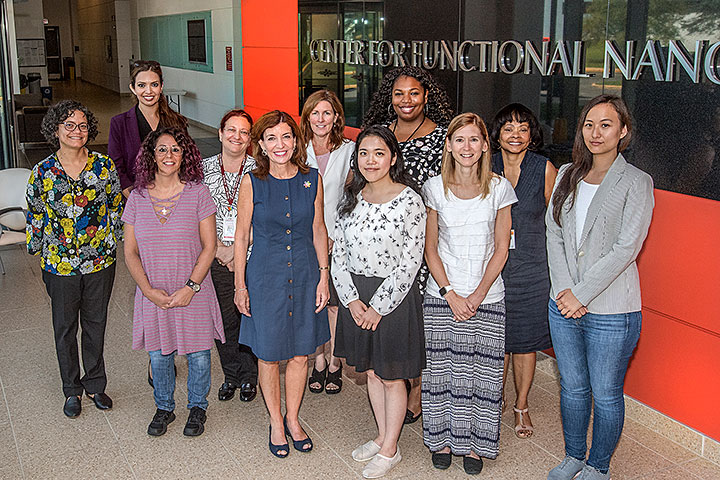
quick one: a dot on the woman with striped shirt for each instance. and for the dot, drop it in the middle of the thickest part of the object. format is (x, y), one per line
(169, 246)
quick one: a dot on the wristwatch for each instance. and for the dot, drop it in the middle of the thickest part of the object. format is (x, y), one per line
(445, 290)
(195, 286)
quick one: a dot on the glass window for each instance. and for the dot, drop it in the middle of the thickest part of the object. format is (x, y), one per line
(196, 41)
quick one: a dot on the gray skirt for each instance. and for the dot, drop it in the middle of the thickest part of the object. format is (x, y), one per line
(396, 349)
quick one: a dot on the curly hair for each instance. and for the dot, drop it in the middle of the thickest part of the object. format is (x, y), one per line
(398, 173)
(438, 104)
(336, 134)
(190, 166)
(262, 161)
(58, 113)
(516, 112)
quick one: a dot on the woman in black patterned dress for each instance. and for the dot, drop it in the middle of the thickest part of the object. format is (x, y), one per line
(516, 134)
(415, 107)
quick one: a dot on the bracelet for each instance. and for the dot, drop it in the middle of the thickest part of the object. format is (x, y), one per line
(240, 289)
(323, 268)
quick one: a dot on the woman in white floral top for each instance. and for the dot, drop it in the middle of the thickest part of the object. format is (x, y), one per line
(380, 236)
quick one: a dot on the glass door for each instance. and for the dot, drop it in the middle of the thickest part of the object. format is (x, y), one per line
(346, 20)
(7, 139)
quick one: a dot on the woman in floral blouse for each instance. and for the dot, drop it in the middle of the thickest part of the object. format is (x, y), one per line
(377, 254)
(74, 207)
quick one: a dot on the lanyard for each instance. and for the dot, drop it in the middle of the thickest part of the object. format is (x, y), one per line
(231, 193)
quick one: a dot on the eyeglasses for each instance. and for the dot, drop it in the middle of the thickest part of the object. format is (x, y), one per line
(233, 130)
(71, 126)
(163, 151)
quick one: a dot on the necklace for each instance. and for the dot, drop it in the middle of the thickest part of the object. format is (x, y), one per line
(414, 131)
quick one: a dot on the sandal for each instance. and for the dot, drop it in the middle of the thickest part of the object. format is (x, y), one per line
(522, 430)
(317, 377)
(334, 379)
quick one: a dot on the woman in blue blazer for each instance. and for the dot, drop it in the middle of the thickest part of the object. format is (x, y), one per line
(129, 129)
(597, 221)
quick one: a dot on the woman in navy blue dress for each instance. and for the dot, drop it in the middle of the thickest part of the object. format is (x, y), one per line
(516, 134)
(285, 289)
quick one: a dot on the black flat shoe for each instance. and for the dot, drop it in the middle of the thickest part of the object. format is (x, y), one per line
(248, 392)
(159, 423)
(227, 391)
(72, 406)
(441, 461)
(195, 424)
(410, 418)
(317, 377)
(472, 466)
(101, 400)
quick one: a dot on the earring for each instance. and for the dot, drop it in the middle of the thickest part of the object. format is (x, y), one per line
(264, 152)
(390, 110)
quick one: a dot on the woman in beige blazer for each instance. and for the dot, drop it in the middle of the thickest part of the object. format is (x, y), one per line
(597, 221)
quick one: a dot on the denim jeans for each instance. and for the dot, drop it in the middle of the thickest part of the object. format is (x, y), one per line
(198, 382)
(592, 354)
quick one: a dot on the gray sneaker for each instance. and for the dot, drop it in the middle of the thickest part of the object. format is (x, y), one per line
(567, 470)
(589, 473)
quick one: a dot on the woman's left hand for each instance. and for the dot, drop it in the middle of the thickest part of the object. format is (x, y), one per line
(569, 305)
(322, 294)
(370, 319)
(182, 297)
(475, 300)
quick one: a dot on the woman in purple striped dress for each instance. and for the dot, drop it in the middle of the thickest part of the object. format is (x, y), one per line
(169, 246)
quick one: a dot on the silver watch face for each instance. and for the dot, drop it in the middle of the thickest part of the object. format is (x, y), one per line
(194, 286)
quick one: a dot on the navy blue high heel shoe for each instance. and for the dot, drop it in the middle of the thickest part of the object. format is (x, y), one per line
(299, 445)
(275, 449)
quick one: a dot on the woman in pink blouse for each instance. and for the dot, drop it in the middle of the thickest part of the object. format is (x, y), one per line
(169, 246)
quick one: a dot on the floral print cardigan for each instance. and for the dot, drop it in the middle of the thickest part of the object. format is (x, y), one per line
(74, 224)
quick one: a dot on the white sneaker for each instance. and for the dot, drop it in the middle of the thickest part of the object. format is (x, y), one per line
(380, 465)
(366, 451)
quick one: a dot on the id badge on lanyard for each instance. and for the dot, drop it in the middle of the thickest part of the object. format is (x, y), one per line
(228, 226)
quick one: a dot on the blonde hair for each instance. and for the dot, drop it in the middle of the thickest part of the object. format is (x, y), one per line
(484, 170)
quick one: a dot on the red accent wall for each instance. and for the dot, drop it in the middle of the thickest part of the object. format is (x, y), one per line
(676, 367)
(270, 56)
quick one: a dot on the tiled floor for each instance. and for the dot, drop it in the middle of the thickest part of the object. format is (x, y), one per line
(38, 441)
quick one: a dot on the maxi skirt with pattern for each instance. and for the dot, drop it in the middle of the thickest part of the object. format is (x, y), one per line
(462, 384)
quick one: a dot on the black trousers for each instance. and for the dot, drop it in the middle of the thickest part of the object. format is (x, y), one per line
(238, 362)
(87, 296)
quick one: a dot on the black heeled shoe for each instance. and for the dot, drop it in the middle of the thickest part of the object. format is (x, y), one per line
(334, 378)
(275, 449)
(317, 377)
(299, 445)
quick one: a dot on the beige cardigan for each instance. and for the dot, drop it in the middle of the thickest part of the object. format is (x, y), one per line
(602, 272)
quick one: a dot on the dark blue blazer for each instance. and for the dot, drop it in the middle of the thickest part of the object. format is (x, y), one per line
(124, 145)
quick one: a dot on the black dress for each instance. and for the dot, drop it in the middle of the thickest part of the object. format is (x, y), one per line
(526, 275)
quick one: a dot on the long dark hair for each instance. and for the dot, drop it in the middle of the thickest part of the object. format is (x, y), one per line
(516, 112)
(582, 158)
(168, 116)
(262, 161)
(398, 174)
(438, 107)
(146, 168)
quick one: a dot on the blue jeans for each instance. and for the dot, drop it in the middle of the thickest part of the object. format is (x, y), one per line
(592, 354)
(198, 382)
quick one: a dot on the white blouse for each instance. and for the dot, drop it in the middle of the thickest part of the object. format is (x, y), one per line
(583, 196)
(383, 240)
(333, 179)
(466, 235)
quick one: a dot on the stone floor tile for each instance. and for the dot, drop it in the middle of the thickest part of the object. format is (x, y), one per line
(702, 468)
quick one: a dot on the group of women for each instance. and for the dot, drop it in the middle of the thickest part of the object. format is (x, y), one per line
(413, 253)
